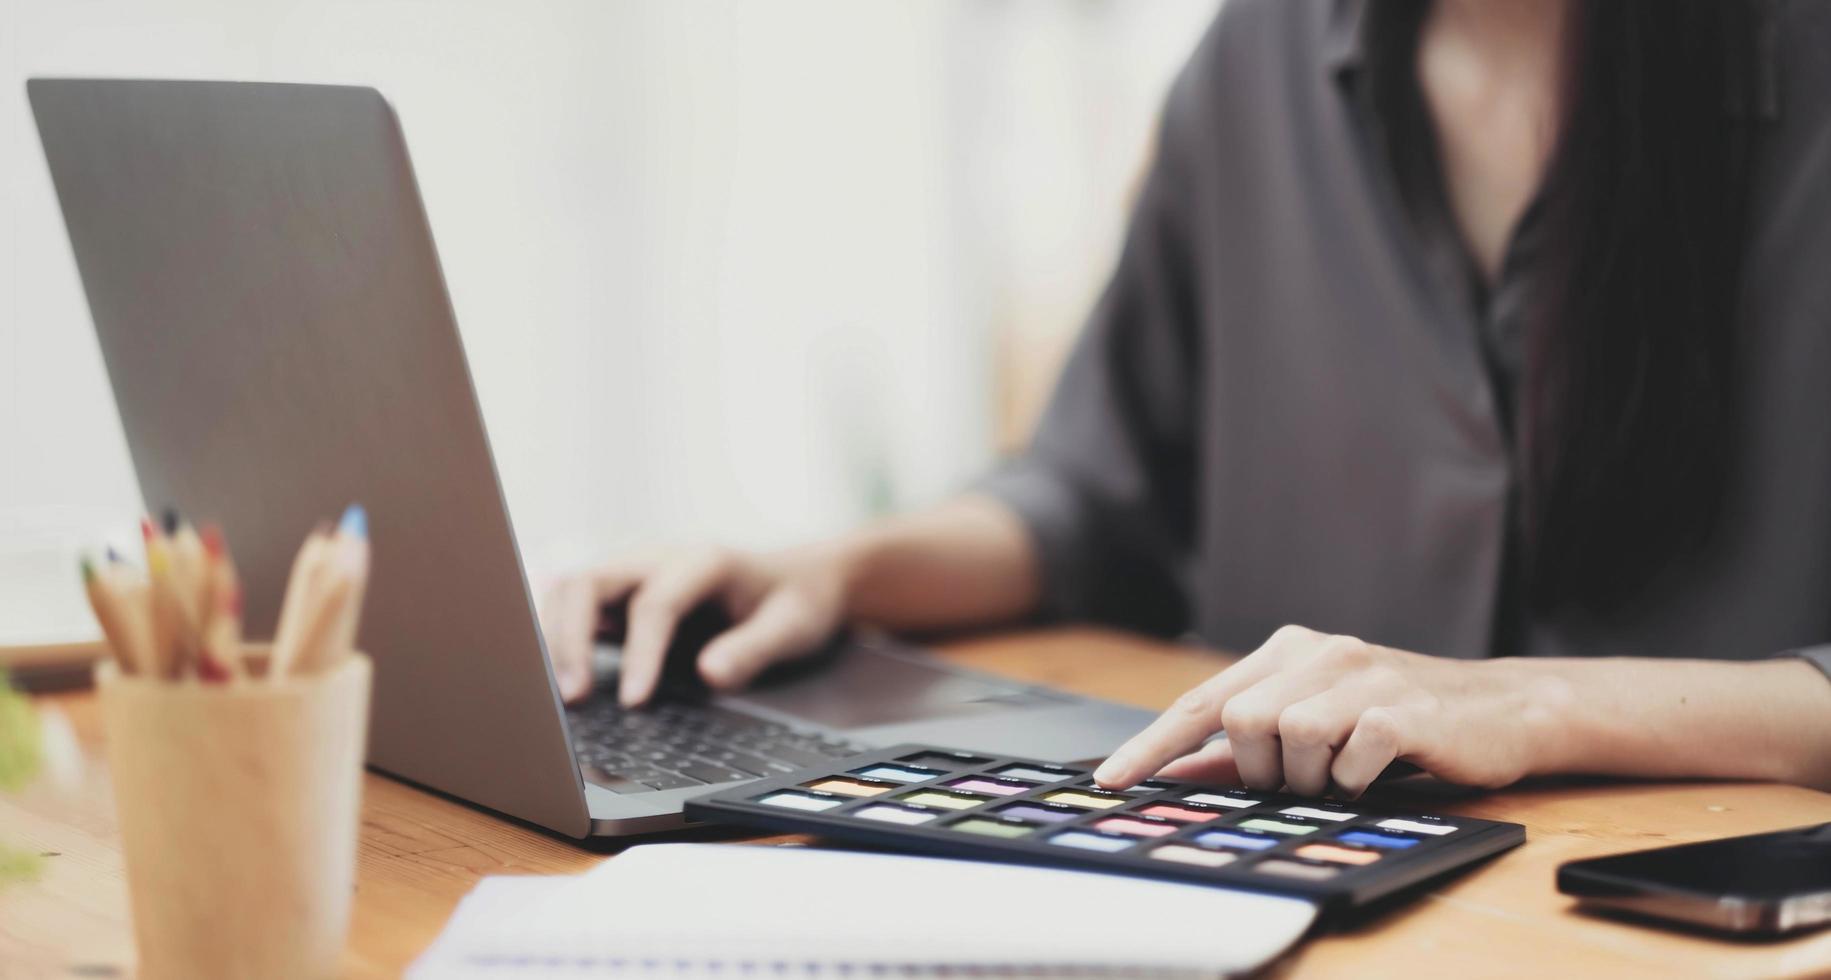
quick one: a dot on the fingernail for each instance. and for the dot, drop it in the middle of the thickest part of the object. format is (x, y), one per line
(1109, 771)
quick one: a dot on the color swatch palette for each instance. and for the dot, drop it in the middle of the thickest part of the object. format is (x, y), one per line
(921, 798)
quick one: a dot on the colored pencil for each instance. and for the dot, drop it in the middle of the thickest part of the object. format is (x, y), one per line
(287, 634)
(189, 567)
(108, 613)
(167, 614)
(133, 594)
(183, 618)
(220, 652)
(324, 598)
(119, 596)
(328, 604)
(353, 554)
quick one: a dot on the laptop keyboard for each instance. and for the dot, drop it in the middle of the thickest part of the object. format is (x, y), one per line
(677, 745)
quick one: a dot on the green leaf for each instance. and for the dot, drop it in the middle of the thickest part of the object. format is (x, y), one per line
(19, 737)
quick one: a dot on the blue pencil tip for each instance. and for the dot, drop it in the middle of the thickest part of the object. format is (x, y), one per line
(355, 522)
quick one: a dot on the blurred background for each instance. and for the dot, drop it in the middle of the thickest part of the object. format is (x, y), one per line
(726, 270)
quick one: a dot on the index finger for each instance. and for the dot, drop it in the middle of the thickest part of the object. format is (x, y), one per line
(659, 603)
(563, 625)
(1185, 725)
(569, 619)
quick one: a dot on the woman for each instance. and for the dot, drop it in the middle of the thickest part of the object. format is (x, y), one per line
(1486, 339)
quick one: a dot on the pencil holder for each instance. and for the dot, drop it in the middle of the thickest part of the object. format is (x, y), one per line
(238, 811)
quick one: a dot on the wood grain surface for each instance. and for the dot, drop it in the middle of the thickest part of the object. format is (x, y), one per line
(419, 853)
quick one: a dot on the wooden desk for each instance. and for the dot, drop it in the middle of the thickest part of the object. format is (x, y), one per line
(420, 853)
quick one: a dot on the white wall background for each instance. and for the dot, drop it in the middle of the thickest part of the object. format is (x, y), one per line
(725, 269)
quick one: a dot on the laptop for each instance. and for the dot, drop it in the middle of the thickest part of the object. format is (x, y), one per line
(276, 328)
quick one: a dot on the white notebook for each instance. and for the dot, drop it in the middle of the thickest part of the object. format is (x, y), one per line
(687, 910)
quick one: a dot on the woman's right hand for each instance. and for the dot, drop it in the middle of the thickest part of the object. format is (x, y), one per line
(782, 605)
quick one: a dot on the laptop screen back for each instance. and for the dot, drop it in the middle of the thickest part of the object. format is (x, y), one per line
(280, 342)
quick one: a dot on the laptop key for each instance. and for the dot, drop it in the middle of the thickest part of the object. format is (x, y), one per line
(741, 761)
(707, 773)
(643, 774)
(815, 747)
(795, 754)
(671, 781)
(611, 781)
(747, 769)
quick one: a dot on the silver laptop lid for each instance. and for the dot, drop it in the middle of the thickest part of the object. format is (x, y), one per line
(277, 331)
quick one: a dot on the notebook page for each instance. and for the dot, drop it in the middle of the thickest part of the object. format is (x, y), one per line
(693, 909)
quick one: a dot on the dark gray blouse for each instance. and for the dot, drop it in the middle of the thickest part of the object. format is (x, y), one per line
(1290, 407)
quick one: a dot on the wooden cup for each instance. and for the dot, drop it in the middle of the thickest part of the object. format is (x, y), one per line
(238, 808)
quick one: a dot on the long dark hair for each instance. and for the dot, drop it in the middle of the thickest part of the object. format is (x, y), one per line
(1627, 402)
(1624, 424)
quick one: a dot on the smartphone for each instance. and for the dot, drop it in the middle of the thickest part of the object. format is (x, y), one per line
(1760, 885)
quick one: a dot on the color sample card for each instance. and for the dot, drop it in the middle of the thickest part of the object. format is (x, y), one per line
(935, 797)
(1417, 827)
(1336, 855)
(1318, 813)
(1371, 839)
(1134, 827)
(1091, 842)
(1223, 799)
(1271, 826)
(996, 787)
(1085, 797)
(1039, 812)
(1184, 854)
(1236, 840)
(1149, 786)
(896, 774)
(977, 805)
(849, 787)
(1187, 814)
(993, 828)
(894, 814)
(800, 801)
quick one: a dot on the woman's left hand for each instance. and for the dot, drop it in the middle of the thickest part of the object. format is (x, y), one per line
(1320, 713)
